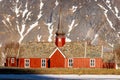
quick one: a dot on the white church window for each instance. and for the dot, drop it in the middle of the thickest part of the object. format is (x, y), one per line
(43, 63)
(70, 63)
(27, 63)
(92, 62)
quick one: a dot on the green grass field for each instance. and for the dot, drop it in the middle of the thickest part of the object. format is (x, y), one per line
(58, 71)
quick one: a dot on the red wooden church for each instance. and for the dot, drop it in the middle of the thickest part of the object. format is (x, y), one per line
(58, 55)
(51, 56)
(64, 55)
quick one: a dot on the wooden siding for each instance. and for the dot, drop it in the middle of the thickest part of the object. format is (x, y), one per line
(109, 65)
(9, 62)
(21, 62)
(35, 62)
(57, 60)
(85, 63)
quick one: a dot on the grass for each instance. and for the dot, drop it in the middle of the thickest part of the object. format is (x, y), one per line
(58, 71)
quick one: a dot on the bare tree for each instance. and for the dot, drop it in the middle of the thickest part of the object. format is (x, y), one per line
(117, 54)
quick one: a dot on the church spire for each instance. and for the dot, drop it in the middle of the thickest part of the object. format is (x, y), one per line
(60, 26)
(60, 35)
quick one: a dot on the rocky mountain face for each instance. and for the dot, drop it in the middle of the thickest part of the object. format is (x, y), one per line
(37, 20)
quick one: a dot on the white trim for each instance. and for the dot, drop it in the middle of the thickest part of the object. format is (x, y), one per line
(69, 62)
(55, 51)
(12, 60)
(41, 63)
(26, 62)
(116, 66)
(94, 63)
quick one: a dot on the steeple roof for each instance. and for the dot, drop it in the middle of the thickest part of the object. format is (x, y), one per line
(60, 26)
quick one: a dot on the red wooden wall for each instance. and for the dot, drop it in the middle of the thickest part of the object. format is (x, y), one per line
(109, 65)
(85, 63)
(9, 62)
(57, 60)
(66, 62)
(81, 62)
(34, 62)
(21, 62)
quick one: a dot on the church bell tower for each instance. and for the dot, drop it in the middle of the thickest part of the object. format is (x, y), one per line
(60, 34)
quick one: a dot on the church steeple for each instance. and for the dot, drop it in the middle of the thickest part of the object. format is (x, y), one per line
(60, 34)
(60, 26)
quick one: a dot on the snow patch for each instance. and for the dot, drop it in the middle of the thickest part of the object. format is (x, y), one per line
(56, 3)
(17, 1)
(74, 8)
(21, 32)
(71, 26)
(117, 12)
(41, 4)
(8, 20)
(76, 24)
(27, 16)
(118, 35)
(96, 0)
(23, 28)
(17, 9)
(39, 37)
(68, 39)
(95, 37)
(105, 13)
(108, 1)
(4, 23)
(112, 45)
(108, 4)
(78, 38)
(38, 28)
(1, 0)
(30, 28)
(26, 10)
(40, 12)
(50, 29)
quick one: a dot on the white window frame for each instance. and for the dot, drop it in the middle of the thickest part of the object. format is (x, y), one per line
(25, 62)
(70, 64)
(92, 62)
(43, 66)
(12, 60)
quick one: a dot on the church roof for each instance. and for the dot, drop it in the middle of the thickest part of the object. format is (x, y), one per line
(70, 50)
